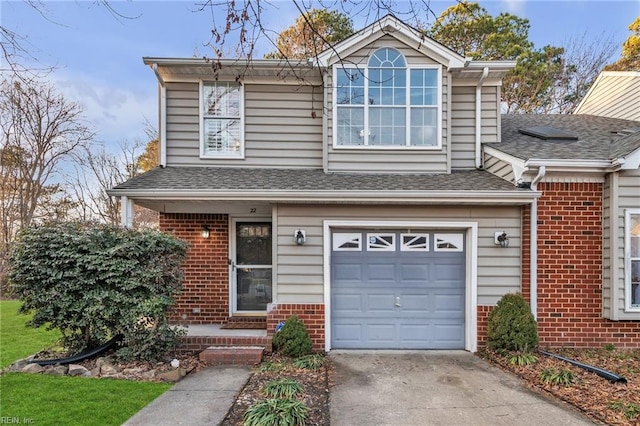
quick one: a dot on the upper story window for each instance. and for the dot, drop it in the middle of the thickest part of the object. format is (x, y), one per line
(632, 257)
(222, 120)
(387, 104)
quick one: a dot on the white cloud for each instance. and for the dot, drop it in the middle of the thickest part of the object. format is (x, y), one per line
(115, 111)
(515, 7)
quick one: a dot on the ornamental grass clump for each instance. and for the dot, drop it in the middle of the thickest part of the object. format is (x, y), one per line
(293, 339)
(511, 326)
(282, 388)
(276, 412)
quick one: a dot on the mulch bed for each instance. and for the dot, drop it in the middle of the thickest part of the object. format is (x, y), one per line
(315, 396)
(605, 402)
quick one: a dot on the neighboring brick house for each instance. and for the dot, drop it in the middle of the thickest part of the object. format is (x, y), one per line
(378, 193)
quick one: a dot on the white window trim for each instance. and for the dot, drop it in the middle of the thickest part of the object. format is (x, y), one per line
(627, 260)
(227, 156)
(408, 68)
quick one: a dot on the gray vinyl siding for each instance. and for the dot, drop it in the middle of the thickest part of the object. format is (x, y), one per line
(463, 123)
(500, 168)
(614, 95)
(389, 160)
(628, 197)
(300, 275)
(279, 128)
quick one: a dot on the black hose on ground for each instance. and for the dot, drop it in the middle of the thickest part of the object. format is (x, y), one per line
(89, 353)
(612, 377)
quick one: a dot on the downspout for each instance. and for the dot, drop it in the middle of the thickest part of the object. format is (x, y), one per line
(162, 120)
(485, 73)
(533, 252)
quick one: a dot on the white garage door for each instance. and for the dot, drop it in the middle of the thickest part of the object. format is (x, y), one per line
(397, 290)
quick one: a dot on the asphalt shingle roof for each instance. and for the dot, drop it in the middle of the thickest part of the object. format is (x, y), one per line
(598, 137)
(249, 179)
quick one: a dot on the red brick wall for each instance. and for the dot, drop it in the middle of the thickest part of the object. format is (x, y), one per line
(312, 315)
(570, 269)
(483, 315)
(205, 285)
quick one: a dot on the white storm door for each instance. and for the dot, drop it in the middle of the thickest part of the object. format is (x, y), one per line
(251, 267)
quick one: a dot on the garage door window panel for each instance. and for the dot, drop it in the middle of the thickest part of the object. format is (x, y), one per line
(449, 242)
(414, 242)
(347, 242)
(381, 242)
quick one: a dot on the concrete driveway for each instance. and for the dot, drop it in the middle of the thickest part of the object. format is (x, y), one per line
(435, 388)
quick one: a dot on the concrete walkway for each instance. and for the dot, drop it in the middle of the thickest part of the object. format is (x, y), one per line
(399, 388)
(435, 388)
(202, 398)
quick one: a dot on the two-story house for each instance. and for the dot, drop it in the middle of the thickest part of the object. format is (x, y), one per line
(377, 192)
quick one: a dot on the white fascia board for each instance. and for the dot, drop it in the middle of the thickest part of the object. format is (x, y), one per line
(255, 63)
(596, 166)
(493, 65)
(629, 162)
(370, 197)
(274, 67)
(507, 158)
(392, 26)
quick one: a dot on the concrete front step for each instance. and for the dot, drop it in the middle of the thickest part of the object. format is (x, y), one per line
(232, 355)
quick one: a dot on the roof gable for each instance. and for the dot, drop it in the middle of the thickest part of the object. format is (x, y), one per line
(392, 26)
(614, 94)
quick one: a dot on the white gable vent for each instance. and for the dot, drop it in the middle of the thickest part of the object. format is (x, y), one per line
(546, 133)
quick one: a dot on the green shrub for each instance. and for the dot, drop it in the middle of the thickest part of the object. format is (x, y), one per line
(276, 412)
(282, 388)
(95, 281)
(511, 326)
(293, 339)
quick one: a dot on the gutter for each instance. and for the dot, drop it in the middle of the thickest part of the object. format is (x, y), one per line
(162, 119)
(485, 73)
(533, 252)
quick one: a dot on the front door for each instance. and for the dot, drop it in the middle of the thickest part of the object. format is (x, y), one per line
(251, 268)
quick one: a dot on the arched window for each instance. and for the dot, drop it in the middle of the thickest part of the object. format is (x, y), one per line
(386, 103)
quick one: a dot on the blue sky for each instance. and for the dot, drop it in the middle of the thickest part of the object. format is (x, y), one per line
(99, 57)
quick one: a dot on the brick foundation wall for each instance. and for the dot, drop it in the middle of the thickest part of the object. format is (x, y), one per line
(312, 315)
(205, 285)
(483, 315)
(570, 269)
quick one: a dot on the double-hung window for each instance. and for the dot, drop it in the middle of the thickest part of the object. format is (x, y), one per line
(221, 127)
(632, 259)
(387, 103)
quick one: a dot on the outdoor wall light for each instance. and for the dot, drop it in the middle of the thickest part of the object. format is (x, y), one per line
(501, 239)
(205, 231)
(300, 236)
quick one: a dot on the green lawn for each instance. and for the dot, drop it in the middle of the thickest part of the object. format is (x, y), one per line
(51, 400)
(18, 341)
